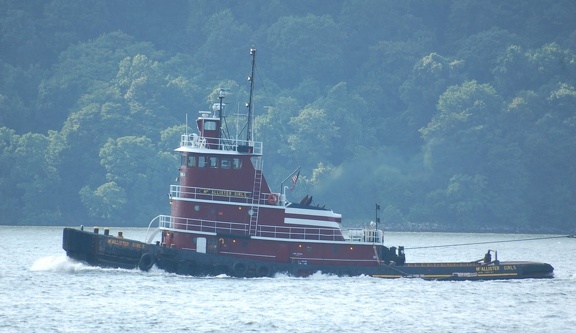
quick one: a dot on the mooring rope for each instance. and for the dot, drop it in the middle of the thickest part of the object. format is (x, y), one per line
(491, 242)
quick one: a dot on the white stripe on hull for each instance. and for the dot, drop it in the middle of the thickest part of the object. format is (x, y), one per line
(314, 223)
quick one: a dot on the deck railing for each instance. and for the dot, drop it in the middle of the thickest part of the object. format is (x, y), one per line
(185, 224)
(307, 233)
(195, 141)
(203, 193)
(180, 224)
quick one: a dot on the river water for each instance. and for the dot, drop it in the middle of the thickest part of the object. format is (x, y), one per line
(41, 290)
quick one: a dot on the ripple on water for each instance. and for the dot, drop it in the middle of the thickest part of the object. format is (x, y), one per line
(46, 291)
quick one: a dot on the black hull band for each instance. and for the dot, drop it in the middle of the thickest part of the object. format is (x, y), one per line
(108, 251)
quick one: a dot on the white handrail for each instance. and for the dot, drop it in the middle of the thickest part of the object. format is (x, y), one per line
(181, 224)
(194, 141)
(149, 239)
(204, 193)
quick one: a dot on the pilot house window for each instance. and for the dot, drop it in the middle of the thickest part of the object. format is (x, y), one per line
(191, 161)
(236, 163)
(213, 162)
(210, 162)
(209, 125)
(187, 160)
(202, 161)
(225, 163)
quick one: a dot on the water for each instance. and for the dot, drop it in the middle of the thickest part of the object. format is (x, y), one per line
(41, 290)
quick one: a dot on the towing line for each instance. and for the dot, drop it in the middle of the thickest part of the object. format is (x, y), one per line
(491, 242)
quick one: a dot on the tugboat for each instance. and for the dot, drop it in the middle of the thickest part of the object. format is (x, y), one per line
(225, 219)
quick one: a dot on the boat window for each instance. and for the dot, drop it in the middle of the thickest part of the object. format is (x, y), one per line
(202, 161)
(213, 162)
(236, 163)
(225, 163)
(191, 161)
(209, 125)
(183, 159)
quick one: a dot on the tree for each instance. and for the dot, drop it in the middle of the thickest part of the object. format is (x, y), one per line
(539, 117)
(481, 92)
(104, 203)
(17, 96)
(461, 142)
(534, 69)
(305, 47)
(464, 114)
(313, 131)
(225, 36)
(273, 128)
(548, 145)
(11, 199)
(466, 197)
(20, 28)
(28, 180)
(350, 114)
(136, 173)
(83, 67)
(367, 23)
(429, 78)
(480, 52)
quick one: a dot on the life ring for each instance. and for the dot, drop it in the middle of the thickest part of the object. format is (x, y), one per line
(146, 262)
(239, 269)
(272, 198)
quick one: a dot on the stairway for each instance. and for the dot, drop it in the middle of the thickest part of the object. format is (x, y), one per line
(256, 191)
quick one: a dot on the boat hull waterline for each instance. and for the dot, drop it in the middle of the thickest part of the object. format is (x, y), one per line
(109, 251)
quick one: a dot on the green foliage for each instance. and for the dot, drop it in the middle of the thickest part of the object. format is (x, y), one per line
(128, 162)
(308, 45)
(313, 132)
(28, 179)
(105, 202)
(451, 114)
(428, 79)
(82, 68)
(480, 52)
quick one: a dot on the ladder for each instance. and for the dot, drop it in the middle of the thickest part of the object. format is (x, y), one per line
(256, 191)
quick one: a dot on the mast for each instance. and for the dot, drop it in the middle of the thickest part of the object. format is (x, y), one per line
(378, 221)
(221, 95)
(249, 104)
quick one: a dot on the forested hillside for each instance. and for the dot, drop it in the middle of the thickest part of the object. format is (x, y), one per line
(452, 115)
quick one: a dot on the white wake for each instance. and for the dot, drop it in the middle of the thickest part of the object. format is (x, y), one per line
(59, 264)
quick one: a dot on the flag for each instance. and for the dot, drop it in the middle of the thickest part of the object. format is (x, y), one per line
(294, 180)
